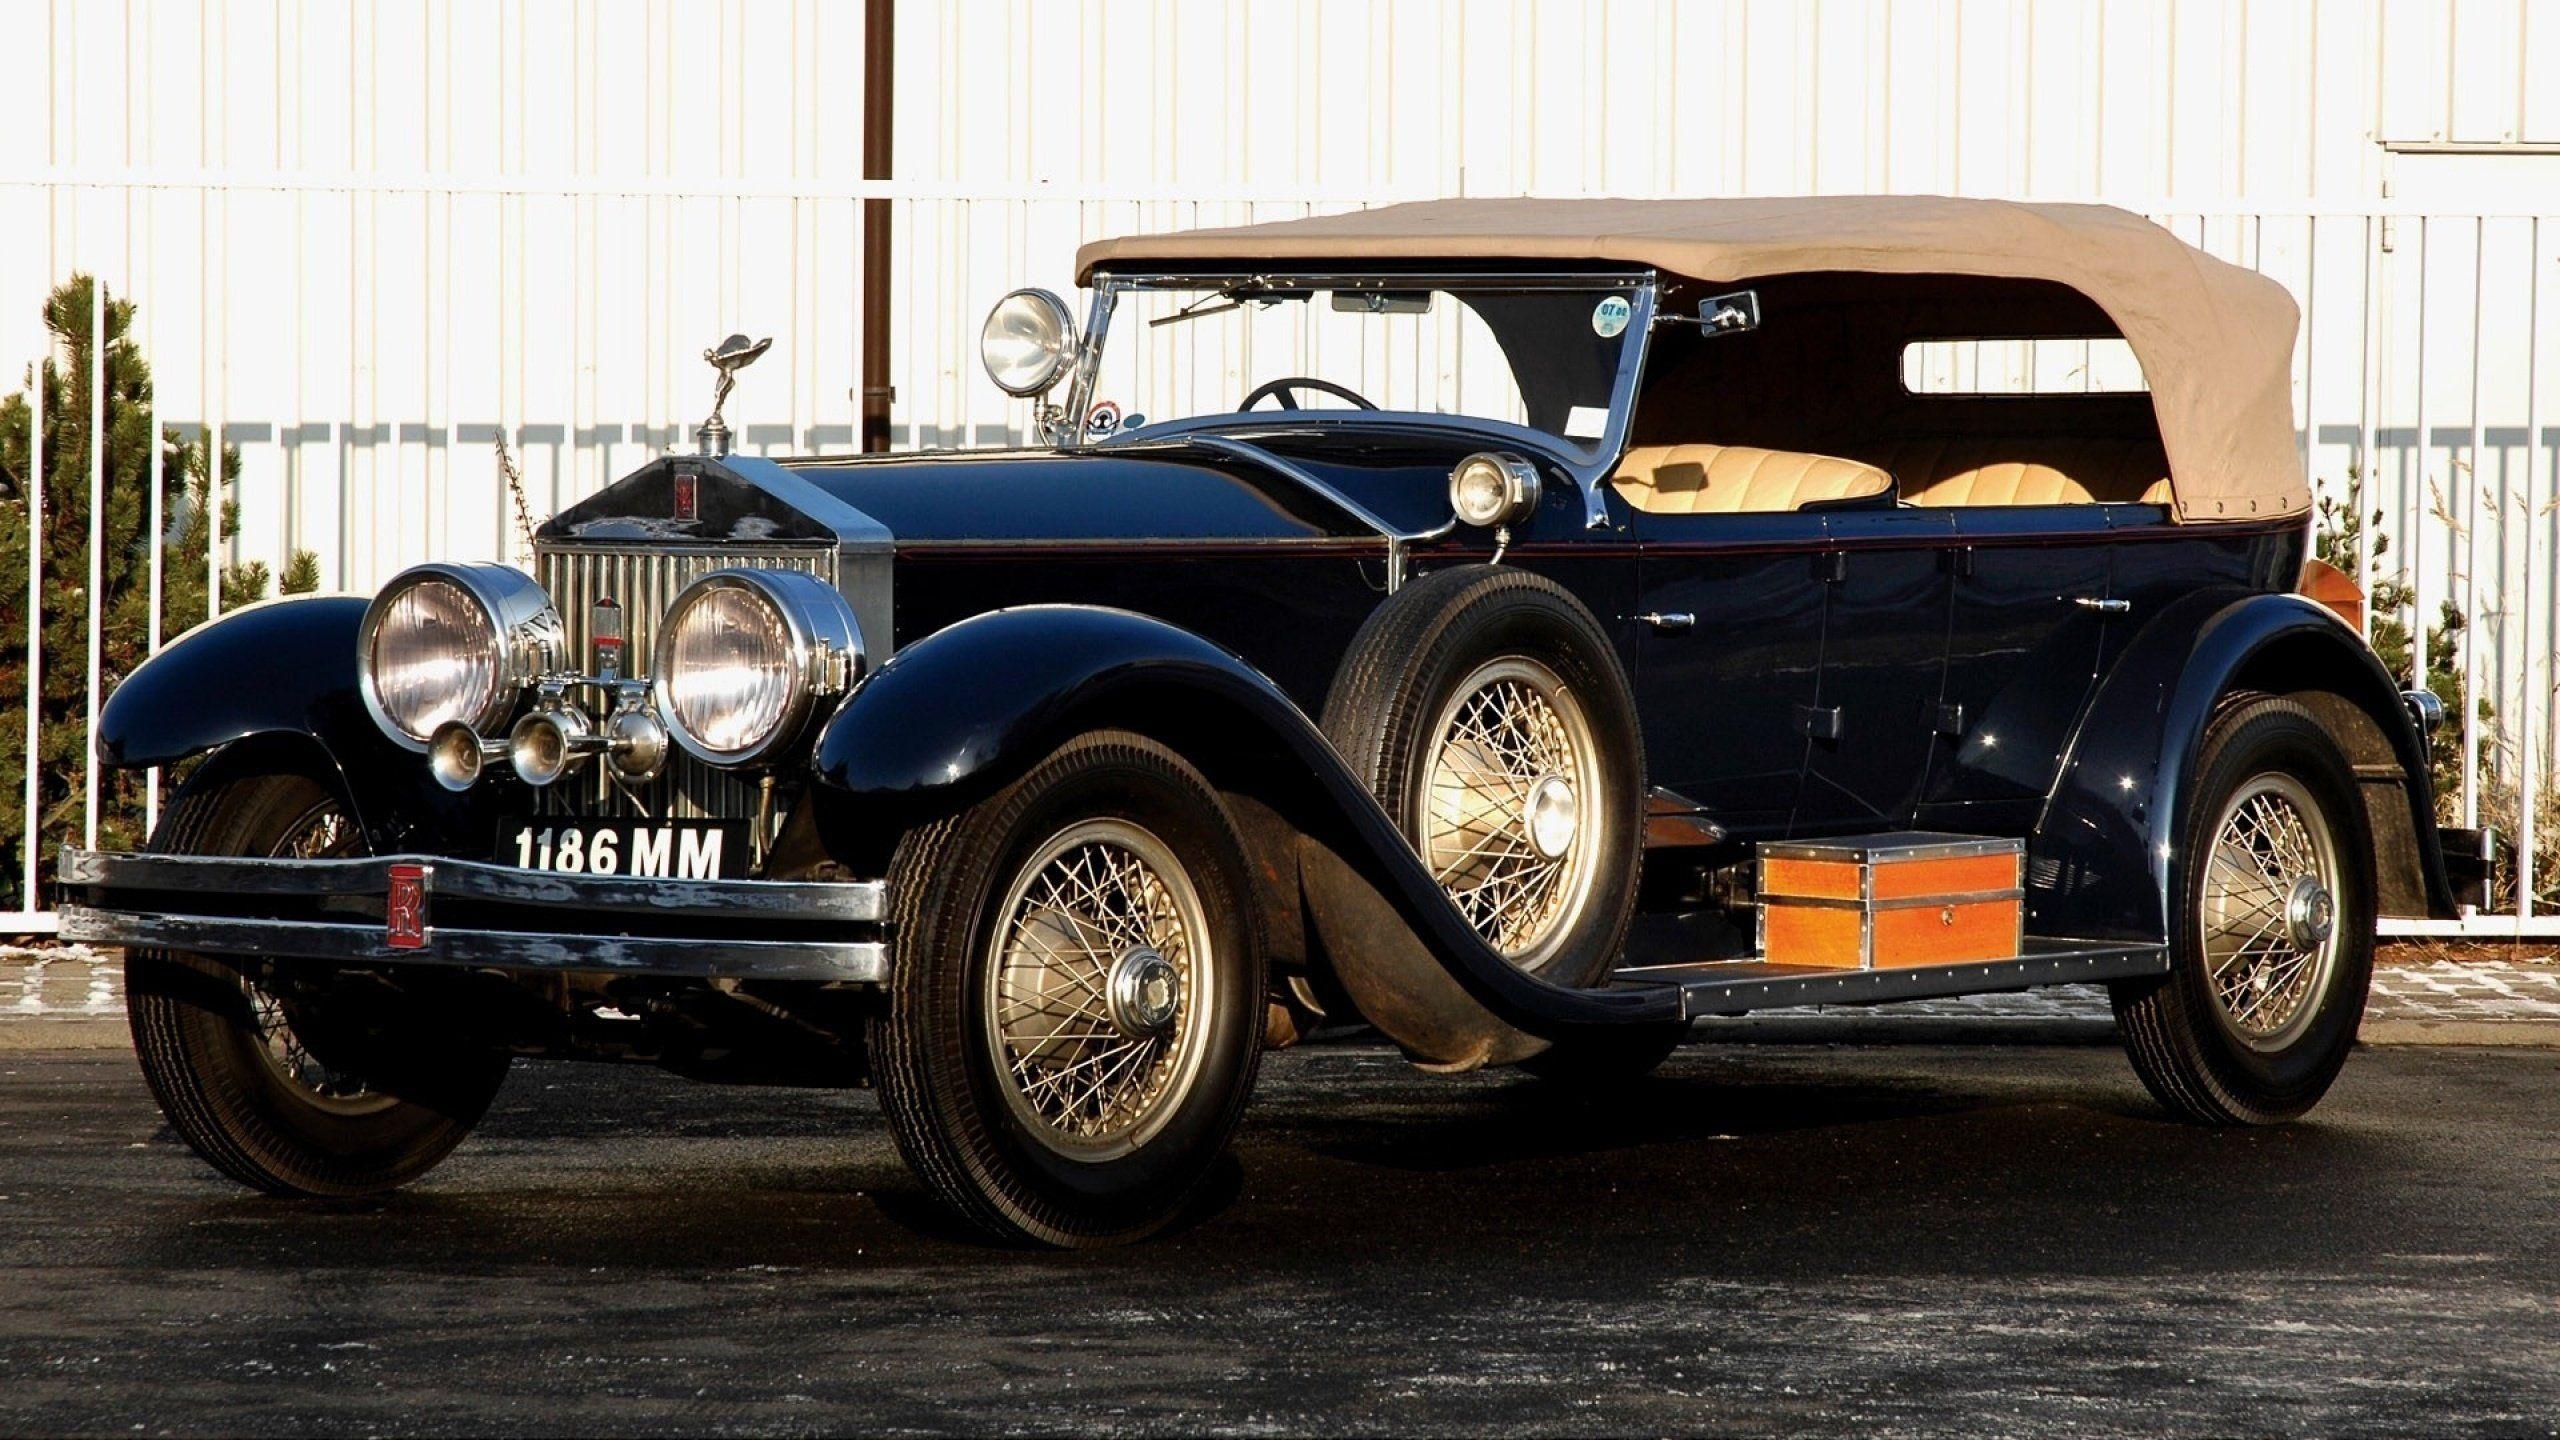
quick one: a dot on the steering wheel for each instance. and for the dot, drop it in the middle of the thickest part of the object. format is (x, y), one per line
(1285, 390)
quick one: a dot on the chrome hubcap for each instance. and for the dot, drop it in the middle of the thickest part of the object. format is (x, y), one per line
(1099, 989)
(2309, 913)
(1550, 817)
(1502, 821)
(2270, 912)
(1145, 992)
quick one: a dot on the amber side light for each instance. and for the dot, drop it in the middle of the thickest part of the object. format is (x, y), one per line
(2334, 588)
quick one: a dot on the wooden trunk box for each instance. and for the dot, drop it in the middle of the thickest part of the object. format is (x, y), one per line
(1878, 902)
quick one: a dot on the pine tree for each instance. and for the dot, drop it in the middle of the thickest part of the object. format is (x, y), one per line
(62, 750)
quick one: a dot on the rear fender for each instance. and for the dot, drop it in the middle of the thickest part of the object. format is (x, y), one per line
(278, 680)
(2099, 863)
(954, 716)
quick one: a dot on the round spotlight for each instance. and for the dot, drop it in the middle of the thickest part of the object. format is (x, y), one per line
(1028, 340)
(1491, 487)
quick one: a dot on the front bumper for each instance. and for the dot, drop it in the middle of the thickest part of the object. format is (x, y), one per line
(474, 915)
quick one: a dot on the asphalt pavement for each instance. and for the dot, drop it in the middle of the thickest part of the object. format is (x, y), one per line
(1888, 1239)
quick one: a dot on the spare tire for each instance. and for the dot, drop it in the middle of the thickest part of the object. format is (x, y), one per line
(1486, 710)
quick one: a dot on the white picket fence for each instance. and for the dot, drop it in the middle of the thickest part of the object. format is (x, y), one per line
(364, 340)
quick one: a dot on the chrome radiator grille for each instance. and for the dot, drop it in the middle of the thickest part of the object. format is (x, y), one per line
(644, 579)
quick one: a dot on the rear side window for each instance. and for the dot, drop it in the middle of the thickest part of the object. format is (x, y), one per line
(1995, 366)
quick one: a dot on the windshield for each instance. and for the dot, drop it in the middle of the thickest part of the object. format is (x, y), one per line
(1546, 353)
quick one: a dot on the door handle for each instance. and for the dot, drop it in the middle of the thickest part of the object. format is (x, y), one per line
(1669, 622)
(2103, 607)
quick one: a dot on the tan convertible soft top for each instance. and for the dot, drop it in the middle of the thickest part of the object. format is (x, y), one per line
(2215, 341)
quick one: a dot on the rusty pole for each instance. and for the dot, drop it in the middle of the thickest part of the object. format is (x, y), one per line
(877, 52)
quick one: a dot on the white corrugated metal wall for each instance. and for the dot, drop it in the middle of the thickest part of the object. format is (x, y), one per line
(366, 238)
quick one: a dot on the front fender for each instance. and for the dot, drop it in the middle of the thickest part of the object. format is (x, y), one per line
(282, 672)
(956, 713)
(2101, 861)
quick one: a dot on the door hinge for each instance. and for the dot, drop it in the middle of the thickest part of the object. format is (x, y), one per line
(1958, 561)
(1819, 722)
(1830, 566)
(1951, 719)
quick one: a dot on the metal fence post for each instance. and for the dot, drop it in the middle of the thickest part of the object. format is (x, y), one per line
(35, 629)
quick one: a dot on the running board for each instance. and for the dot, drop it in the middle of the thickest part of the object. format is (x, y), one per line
(1734, 987)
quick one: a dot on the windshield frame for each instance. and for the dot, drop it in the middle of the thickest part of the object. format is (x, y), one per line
(1589, 469)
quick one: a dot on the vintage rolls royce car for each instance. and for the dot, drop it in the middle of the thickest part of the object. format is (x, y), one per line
(1518, 626)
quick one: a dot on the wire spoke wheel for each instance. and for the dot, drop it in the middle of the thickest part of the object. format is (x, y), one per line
(1099, 989)
(324, 832)
(2269, 917)
(244, 1065)
(1509, 806)
(1075, 997)
(2271, 937)
(1486, 709)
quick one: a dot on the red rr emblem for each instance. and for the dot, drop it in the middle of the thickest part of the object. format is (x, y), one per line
(404, 909)
(688, 503)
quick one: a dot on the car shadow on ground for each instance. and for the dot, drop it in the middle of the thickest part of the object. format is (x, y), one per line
(1731, 1155)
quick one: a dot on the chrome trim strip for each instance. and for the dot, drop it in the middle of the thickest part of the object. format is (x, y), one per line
(1891, 847)
(1187, 544)
(1905, 902)
(844, 962)
(1734, 987)
(849, 902)
(1203, 272)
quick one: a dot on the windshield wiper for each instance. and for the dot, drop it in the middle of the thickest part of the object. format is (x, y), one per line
(1234, 297)
(1205, 305)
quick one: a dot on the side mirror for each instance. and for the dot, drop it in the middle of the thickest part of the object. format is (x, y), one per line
(1730, 314)
(1721, 314)
(1028, 341)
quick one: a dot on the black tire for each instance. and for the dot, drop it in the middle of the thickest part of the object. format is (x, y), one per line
(1403, 671)
(963, 1121)
(2196, 1054)
(205, 1034)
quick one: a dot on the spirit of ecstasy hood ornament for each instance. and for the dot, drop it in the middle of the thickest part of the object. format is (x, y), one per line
(728, 357)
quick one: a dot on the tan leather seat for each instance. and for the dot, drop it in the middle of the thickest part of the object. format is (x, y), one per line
(2064, 470)
(1731, 479)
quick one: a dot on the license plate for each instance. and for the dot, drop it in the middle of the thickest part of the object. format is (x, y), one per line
(652, 849)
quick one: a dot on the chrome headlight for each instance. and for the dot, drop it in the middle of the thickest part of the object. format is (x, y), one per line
(1492, 488)
(1028, 339)
(442, 643)
(743, 653)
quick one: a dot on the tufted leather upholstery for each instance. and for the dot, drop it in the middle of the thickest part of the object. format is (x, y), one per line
(2063, 470)
(1729, 479)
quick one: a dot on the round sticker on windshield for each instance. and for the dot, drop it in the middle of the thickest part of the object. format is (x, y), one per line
(1610, 316)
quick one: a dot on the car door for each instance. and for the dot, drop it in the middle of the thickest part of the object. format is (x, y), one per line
(2030, 615)
(1870, 726)
(1729, 642)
